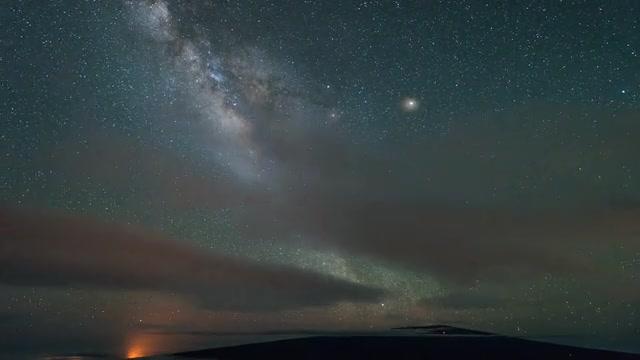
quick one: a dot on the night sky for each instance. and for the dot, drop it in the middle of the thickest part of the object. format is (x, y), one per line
(174, 171)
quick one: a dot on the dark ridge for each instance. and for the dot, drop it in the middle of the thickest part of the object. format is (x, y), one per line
(442, 330)
(405, 347)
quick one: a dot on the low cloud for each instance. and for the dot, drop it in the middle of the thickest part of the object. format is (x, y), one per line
(44, 249)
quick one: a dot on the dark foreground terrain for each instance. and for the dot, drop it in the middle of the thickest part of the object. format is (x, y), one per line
(410, 343)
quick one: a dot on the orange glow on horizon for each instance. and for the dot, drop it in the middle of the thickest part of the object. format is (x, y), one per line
(139, 347)
(135, 352)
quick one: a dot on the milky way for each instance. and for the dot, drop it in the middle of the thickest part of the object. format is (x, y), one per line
(180, 169)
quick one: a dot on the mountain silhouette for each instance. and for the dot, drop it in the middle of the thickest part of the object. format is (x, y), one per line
(409, 343)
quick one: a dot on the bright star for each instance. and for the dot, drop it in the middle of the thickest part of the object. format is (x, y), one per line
(410, 104)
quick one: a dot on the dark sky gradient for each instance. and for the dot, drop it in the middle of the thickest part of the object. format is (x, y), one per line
(173, 169)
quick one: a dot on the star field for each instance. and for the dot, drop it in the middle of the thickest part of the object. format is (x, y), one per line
(173, 168)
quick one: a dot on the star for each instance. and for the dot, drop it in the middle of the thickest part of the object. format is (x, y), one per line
(410, 104)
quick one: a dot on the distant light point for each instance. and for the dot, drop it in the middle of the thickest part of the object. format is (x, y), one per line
(410, 104)
(333, 116)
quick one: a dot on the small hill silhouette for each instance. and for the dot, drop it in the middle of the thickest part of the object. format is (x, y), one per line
(443, 330)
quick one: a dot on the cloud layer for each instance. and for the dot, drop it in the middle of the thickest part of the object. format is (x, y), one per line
(39, 249)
